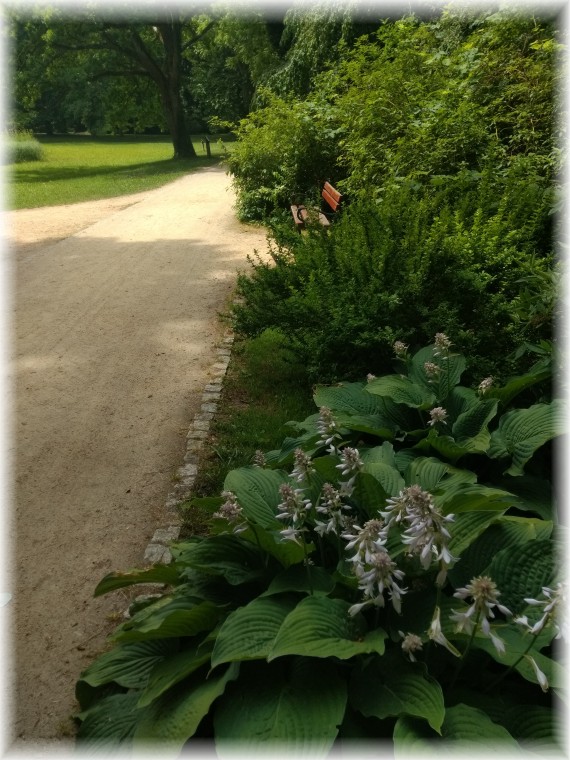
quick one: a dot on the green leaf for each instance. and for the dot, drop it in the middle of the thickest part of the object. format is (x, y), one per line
(168, 574)
(368, 492)
(521, 572)
(534, 727)
(237, 560)
(128, 665)
(513, 387)
(388, 477)
(109, 724)
(452, 368)
(433, 475)
(322, 627)
(347, 397)
(257, 492)
(532, 494)
(522, 431)
(168, 618)
(516, 645)
(296, 579)
(506, 532)
(468, 725)
(466, 527)
(173, 669)
(464, 729)
(472, 497)
(287, 553)
(295, 705)
(392, 686)
(401, 391)
(174, 717)
(249, 632)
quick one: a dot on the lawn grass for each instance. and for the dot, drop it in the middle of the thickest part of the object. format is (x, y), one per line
(83, 168)
(265, 387)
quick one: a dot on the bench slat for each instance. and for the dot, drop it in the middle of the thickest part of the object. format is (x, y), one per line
(333, 203)
(332, 192)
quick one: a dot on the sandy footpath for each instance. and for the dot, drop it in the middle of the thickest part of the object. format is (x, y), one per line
(114, 333)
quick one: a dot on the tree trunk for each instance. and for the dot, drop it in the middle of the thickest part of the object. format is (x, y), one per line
(176, 121)
(171, 34)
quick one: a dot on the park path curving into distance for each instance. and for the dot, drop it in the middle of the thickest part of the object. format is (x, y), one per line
(114, 330)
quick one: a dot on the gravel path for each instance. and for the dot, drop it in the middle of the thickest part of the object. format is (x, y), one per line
(115, 328)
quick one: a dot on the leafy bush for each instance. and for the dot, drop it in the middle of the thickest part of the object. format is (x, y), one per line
(450, 255)
(382, 589)
(284, 151)
(22, 146)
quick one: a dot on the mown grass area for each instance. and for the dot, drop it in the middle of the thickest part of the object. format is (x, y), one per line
(265, 387)
(82, 168)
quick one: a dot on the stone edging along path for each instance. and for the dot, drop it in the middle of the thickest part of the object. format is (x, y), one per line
(158, 551)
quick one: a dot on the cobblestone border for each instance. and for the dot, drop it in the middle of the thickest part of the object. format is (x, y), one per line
(158, 551)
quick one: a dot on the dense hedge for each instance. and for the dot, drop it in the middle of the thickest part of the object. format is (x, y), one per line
(442, 136)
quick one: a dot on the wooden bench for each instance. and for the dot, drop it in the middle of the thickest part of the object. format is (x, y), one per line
(329, 206)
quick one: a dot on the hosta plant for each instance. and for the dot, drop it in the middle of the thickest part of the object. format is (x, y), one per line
(389, 575)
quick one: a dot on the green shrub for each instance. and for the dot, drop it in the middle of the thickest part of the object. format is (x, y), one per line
(450, 256)
(284, 152)
(390, 573)
(22, 146)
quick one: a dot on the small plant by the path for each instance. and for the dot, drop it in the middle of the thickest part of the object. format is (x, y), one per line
(389, 574)
(22, 146)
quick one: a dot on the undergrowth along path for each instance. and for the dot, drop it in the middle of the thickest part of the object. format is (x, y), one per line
(115, 331)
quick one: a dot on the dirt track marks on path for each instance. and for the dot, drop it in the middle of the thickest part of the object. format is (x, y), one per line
(114, 333)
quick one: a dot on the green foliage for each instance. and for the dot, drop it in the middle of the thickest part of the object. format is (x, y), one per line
(283, 151)
(379, 588)
(422, 259)
(22, 146)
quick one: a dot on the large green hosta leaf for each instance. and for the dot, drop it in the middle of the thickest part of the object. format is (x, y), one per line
(347, 397)
(433, 475)
(296, 705)
(168, 618)
(287, 553)
(533, 494)
(168, 574)
(321, 627)
(467, 527)
(513, 387)
(110, 724)
(257, 491)
(402, 391)
(173, 669)
(129, 665)
(465, 729)
(521, 571)
(249, 632)
(392, 686)
(505, 533)
(230, 556)
(296, 579)
(174, 717)
(522, 431)
(355, 408)
(451, 370)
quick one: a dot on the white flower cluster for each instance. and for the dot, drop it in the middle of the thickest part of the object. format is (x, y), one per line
(294, 509)
(232, 512)
(331, 506)
(426, 534)
(328, 430)
(485, 596)
(302, 468)
(373, 566)
(553, 613)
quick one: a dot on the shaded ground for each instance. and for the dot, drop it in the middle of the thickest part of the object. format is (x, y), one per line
(115, 324)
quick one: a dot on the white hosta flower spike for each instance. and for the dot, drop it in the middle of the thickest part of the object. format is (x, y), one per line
(542, 679)
(410, 644)
(485, 597)
(436, 634)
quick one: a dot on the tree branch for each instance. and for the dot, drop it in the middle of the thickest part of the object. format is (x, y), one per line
(197, 37)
